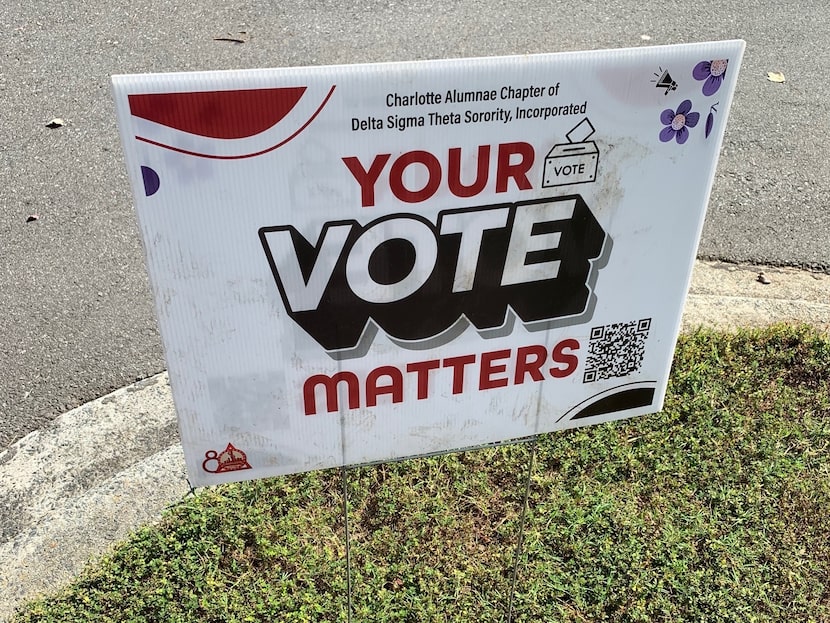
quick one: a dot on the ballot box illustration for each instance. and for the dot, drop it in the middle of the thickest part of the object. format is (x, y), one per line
(574, 162)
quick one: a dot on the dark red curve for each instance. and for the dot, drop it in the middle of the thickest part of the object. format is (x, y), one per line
(218, 114)
(252, 155)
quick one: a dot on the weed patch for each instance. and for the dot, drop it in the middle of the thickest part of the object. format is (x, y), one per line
(715, 509)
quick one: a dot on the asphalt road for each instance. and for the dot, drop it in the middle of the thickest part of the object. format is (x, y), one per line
(76, 318)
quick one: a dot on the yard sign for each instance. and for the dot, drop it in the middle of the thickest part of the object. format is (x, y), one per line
(359, 263)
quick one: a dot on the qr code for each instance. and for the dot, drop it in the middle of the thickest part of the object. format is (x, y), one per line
(616, 350)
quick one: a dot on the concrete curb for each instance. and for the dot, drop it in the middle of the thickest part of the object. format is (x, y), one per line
(98, 472)
(727, 296)
(71, 490)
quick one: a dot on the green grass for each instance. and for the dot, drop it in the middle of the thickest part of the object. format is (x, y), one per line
(715, 509)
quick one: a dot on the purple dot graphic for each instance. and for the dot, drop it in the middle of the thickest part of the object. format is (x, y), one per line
(151, 181)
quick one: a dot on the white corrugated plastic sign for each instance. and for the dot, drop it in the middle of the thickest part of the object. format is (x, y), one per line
(366, 262)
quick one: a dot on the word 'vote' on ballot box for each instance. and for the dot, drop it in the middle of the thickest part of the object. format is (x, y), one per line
(571, 163)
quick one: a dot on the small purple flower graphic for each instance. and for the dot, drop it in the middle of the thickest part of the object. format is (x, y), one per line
(677, 122)
(711, 71)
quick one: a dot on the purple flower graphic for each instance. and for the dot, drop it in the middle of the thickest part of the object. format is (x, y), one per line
(677, 122)
(712, 72)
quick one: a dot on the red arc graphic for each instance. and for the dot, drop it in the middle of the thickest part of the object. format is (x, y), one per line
(218, 114)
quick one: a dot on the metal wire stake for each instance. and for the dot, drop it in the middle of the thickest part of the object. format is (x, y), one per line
(521, 532)
(348, 548)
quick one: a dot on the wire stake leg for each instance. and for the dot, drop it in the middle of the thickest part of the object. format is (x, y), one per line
(521, 531)
(343, 476)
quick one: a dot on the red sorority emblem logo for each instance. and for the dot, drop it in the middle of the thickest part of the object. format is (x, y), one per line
(231, 459)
